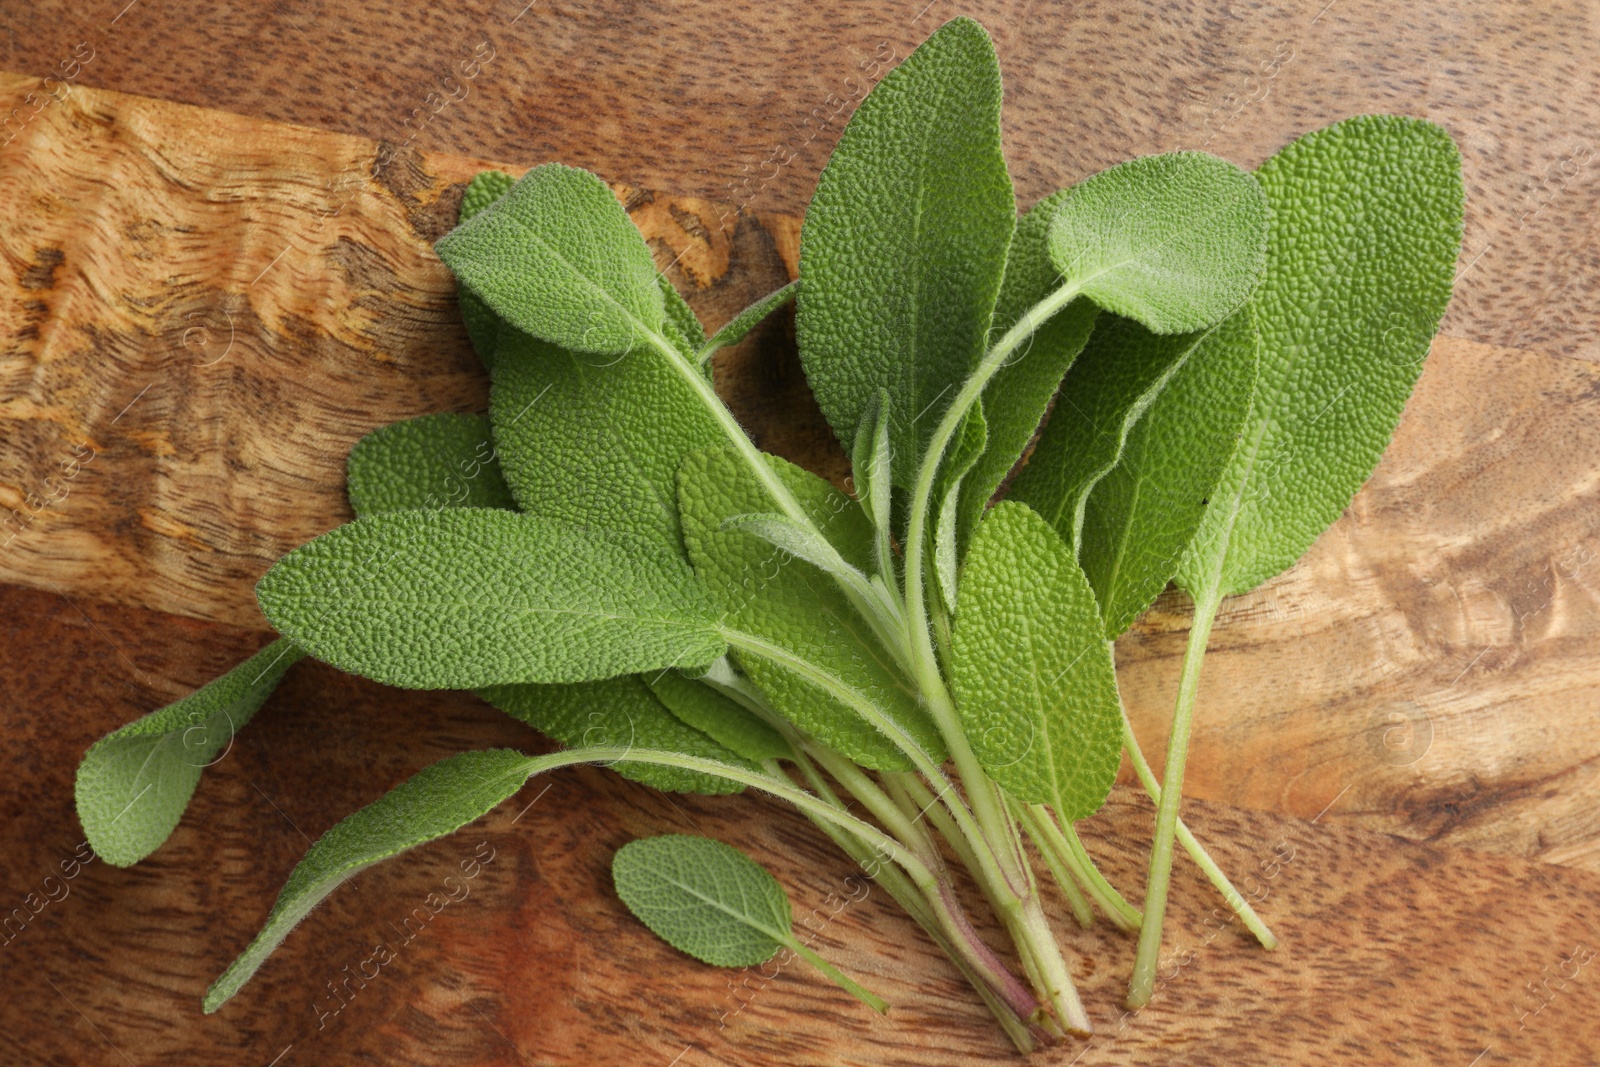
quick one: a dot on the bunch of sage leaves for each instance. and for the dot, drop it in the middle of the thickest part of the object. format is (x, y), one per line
(1204, 365)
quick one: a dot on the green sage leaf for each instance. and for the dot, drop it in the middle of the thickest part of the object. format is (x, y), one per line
(438, 800)
(711, 901)
(596, 441)
(1122, 370)
(1034, 683)
(717, 716)
(1367, 223)
(134, 784)
(434, 461)
(905, 241)
(1140, 518)
(1176, 241)
(558, 258)
(466, 597)
(738, 328)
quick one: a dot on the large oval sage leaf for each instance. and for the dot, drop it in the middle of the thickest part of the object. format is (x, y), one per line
(557, 257)
(1034, 682)
(903, 246)
(1367, 222)
(466, 597)
(1175, 241)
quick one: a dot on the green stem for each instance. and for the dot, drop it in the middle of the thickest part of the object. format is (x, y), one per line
(940, 914)
(1241, 907)
(1142, 984)
(870, 999)
(777, 786)
(1055, 859)
(1064, 839)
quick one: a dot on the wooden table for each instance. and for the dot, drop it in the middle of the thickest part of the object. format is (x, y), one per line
(214, 305)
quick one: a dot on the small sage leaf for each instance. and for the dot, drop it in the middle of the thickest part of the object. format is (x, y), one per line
(711, 901)
(739, 327)
(134, 784)
(1141, 516)
(1176, 241)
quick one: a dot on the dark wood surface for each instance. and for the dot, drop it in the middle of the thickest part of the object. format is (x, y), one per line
(1429, 670)
(1392, 952)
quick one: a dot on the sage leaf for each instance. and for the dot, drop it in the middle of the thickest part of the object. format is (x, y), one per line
(1140, 517)
(1176, 241)
(466, 597)
(904, 243)
(619, 713)
(434, 461)
(1122, 370)
(438, 800)
(711, 901)
(558, 258)
(739, 327)
(1017, 399)
(483, 325)
(134, 784)
(721, 718)
(1033, 678)
(596, 441)
(792, 604)
(1367, 223)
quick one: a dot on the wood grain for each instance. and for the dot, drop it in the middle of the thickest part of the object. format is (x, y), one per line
(264, 295)
(1392, 952)
(743, 103)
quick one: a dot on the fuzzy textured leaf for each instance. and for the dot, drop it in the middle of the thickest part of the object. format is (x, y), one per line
(596, 441)
(1122, 370)
(134, 784)
(1034, 683)
(483, 325)
(790, 603)
(467, 597)
(720, 717)
(1141, 516)
(622, 713)
(438, 800)
(1175, 241)
(1367, 223)
(434, 461)
(704, 898)
(905, 241)
(558, 258)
